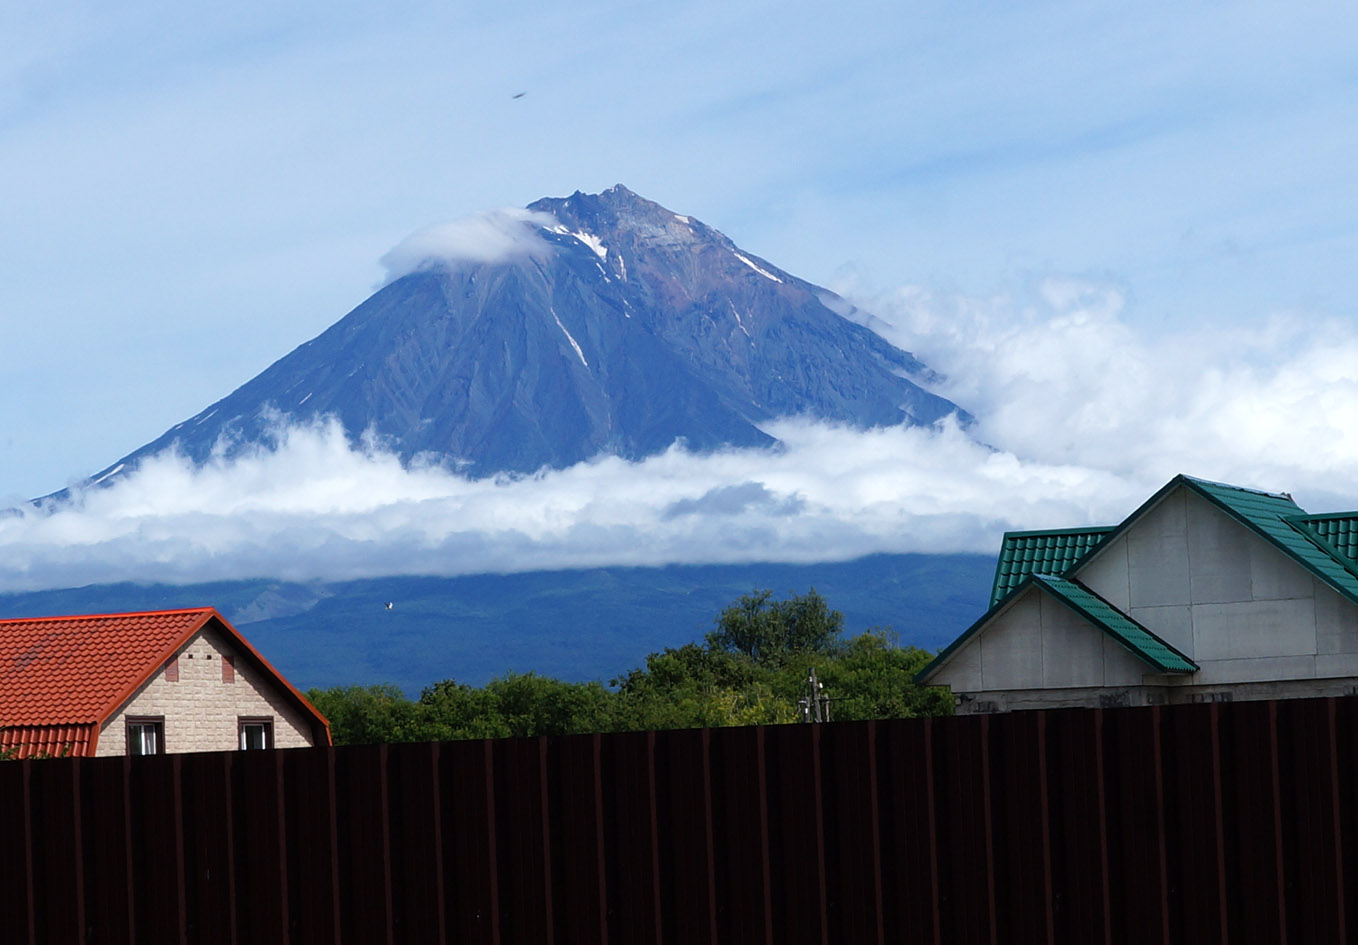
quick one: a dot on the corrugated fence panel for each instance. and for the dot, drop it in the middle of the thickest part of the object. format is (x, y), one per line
(684, 808)
(632, 838)
(313, 831)
(579, 853)
(470, 851)
(1342, 749)
(962, 797)
(107, 855)
(909, 838)
(741, 829)
(1021, 826)
(58, 881)
(1219, 822)
(852, 833)
(1311, 867)
(1137, 857)
(416, 838)
(158, 882)
(209, 849)
(1194, 823)
(362, 806)
(1252, 853)
(522, 828)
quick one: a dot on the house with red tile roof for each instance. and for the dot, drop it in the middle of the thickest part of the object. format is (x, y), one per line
(144, 683)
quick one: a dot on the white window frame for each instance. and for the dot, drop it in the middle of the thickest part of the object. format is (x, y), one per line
(245, 724)
(139, 727)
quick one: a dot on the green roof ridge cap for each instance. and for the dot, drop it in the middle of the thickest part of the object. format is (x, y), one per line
(1062, 589)
(1086, 530)
(1234, 488)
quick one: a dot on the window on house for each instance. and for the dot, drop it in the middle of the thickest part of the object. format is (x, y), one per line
(172, 669)
(228, 669)
(255, 734)
(146, 736)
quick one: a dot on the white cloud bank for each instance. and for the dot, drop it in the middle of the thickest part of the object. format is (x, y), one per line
(486, 237)
(1064, 380)
(1083, 419)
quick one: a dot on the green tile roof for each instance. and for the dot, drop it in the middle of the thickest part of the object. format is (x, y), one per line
(1282, 522)
(1338, 531)
(1117, 625)
(1045, 552)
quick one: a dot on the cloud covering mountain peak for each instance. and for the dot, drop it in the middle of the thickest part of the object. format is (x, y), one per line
(491, 236)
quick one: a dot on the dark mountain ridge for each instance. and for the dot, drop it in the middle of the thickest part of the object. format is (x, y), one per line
(587, 624)
(634, 327)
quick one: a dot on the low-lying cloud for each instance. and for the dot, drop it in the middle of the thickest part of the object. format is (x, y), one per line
(486, 237)
(318, 508)
(1079, 419)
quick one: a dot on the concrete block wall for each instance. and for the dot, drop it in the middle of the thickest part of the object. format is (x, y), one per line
(1225, 597)
(1037, 642)
(201, 711)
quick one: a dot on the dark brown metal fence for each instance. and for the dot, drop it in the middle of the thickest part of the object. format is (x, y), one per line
(1212, 823)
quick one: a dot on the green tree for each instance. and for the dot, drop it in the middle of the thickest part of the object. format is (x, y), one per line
(770, 631)
(697, 686)
(750, 670)
(874, 678)
(367, 715)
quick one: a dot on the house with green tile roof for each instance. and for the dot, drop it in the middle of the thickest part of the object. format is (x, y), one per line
(1207, 592)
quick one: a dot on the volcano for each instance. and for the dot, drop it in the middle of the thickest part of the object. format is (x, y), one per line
(604, 325)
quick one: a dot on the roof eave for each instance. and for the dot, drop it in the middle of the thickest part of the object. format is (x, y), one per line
(1140, 654)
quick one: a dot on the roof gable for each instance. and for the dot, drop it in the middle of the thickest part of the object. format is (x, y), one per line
(78, 671)
(1142, 643)
(1270, 515)
(1052, 551)
(1279, 520)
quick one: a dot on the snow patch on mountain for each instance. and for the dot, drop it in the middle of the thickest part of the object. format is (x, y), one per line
(593, 242)
(570, 338)
(763, 272)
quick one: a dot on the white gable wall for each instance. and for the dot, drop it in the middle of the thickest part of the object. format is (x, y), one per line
(1224, 596)
(1037, 642)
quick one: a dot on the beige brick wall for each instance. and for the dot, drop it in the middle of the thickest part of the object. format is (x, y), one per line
(201, 711)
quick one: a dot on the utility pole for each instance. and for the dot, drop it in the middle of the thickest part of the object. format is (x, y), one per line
(815, 704)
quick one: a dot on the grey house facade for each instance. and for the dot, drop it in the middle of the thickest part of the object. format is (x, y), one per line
(1207, 592)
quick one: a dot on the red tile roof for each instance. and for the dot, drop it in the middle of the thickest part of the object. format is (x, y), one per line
(55, 741)
(77, 671)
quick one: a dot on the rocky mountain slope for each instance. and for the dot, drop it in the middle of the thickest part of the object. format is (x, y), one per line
(626, 327)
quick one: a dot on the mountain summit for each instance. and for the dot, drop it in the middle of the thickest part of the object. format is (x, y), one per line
(604, 324)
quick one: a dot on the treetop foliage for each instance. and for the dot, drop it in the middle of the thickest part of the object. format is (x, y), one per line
(750, 670)
(770, 632)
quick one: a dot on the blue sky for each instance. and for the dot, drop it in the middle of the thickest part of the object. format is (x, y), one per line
(191, 191)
